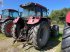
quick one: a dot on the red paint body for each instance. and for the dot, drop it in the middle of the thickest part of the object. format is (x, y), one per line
(16, 20)
(33, 21)
(68, 17)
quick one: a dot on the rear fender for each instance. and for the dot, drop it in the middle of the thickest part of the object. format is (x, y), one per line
(33, 20)
(48, 20)
(68, 17)
(16, 20)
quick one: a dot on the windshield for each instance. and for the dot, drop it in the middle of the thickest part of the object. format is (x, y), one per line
(26, 13)
(6, 13)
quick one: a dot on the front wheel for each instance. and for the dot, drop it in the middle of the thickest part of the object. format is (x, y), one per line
(55, 30)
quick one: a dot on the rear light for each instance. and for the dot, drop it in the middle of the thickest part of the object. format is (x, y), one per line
(16, 20)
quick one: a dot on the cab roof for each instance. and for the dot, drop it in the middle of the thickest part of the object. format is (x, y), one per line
(31, 4)
(11, 10)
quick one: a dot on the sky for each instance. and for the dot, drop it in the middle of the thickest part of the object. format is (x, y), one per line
(50, 4)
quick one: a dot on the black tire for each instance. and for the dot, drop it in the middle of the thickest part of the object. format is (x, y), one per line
(2, 27)
(6, 28)
(55, 30)
(40, 34)
(66, 39)
(15, 30)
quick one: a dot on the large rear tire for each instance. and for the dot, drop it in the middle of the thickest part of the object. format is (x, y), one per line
(66, 39)
(6, 28)
(2, 27)
(15, 31)
(40, 34)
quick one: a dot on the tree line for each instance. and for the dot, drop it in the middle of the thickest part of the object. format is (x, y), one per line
(59, 15)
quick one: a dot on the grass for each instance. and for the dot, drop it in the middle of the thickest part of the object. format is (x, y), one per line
(56, 43)
(2, 36)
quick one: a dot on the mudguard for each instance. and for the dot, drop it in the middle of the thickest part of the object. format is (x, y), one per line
(3, 20)
(68, 17)
(16, 20)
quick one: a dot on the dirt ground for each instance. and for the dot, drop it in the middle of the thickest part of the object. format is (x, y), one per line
(6, 45)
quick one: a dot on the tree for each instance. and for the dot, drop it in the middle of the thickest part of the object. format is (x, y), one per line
(59, 15)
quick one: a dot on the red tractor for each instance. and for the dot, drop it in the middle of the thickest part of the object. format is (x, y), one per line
(66, 35)
(6, 20)
(33, 25)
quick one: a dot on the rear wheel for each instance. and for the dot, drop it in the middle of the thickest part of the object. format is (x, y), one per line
(6, 28)
(40, 34)
(66, 38)
(15, 31)
(2, 27)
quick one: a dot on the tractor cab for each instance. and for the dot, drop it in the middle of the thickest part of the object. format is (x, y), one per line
(9, 14)
(33, 9)
(33, 12)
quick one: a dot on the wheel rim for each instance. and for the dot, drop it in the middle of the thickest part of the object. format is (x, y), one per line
(8, 27)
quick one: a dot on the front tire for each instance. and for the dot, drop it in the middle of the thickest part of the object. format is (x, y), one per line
(55, 30)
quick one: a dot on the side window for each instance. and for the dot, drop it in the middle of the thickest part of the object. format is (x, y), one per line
(11, 14)
(5, 13)
(38, 11)
(44, 13)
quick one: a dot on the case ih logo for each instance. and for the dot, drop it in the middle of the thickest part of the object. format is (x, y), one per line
(1, 2)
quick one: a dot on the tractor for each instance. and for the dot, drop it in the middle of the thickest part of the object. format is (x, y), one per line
(33, 25)
(6, 20)
(66, 34)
